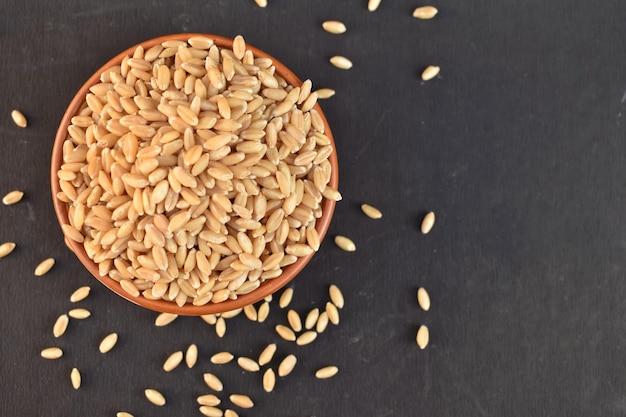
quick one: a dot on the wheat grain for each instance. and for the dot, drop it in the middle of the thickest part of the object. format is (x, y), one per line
(222, 358)
(264, 312)
(173, 361)
(372, 5)
(75, 378)
(108, 343)
(326, 372)
(423, 299)
(311, 318)
(324, 93)
(260, 3)
(155, 397)
(286, 333)
(6, 248)
(371, 211)
(269, 380)
(51, 353)
(334, 26)
(341, 62)
(44, 267)
(345, 243)
(285, 298)
(210, 411)
(286, 365)
(208, 399)
(294, 320)
(248, 364)
(250, 312)
(79, 313)
(336, 297)
(164, 319)
(191, 355)
(430, 72)
(241, 400)
(123, 414)
(213, 382)
(267, 354)
(306, 338)
(422, 337)
(425, 12)
(80, 294)
(60, 325)
(19, 118)
(220, 327)
(428, 222)
(231, 413)
(333, 313)
(12, 197)
(322, 322)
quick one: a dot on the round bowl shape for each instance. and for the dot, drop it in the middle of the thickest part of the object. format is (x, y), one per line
(266, 288)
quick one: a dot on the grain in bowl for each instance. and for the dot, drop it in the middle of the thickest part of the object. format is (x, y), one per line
(195, 173)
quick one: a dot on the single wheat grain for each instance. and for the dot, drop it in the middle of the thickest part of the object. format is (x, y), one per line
(222, 357)
(285, 298)
(324, 93)
(306, 338)
(425, 12)
(311, 318)
(269, 380)
(75, 378)
(164, 319)
(371, 211)
(286, 333)
(210, 411)
(213, 382)
(260, 3)
(6, 248)
(268, 353)
(248, 364)
(345, 243)
(334, 26)
(322, 322)
(326, 372)
(422, 337)
(241, 400)
(333, 313)
(80, 294)
(286, 365)
(336, 296)
(60, 325)
(44, 267)
(12, 197)
(294, 320)
(173, 361)
(79, 313)
(108, 343)
(208, 399)
(155, 397)
(423, 299)
(220, 327)
(51, 353)
(341, 62)
(430, 72)
(264, 312)
(191, 356)
(19, 118)
(372, 5)
(428, 222)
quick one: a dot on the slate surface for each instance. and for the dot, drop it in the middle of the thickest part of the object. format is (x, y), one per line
(518, 146)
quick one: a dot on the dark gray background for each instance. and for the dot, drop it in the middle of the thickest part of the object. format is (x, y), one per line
(518, 146)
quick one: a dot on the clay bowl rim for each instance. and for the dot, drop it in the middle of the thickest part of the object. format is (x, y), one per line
(268, 287)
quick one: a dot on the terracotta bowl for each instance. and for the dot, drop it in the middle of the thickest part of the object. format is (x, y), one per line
(266, 288)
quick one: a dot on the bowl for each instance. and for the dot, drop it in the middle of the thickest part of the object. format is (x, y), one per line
(268, 287)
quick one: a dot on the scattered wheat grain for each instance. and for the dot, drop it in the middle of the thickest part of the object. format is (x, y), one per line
(155, 397)
(326, 372)
(311, 318)
(220, 327)
(425, 12)
(213, 382)
(164, 319)
(173, 361)
(230, 413)
(430, 72)
(372, 5)
(248, 364)
(208, 399)
(334, 26)
(423, 299)
(294, 320)
(12, 197)
(60, 325)
(80, 294)
(285, 298)
(123, 414)
(306, 338)
(19, 118)
(191, 356)
(222, 357)
(6, 248)
(428, 222)
(333, 313)
(79, 313)
(51, 353)
(322, 322)
(422, 337)
(108, 343)
(286, 365)
(345, 243)
(44, 267)
(241, 400)
(209, 411)
(336, 296)
(260, 3)
(341, 62)
(268, 353)
(75, 378)
(250, 312)
(286, 333)
(371, 211)
(324, 93)
(269, 380)
(264, 312)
